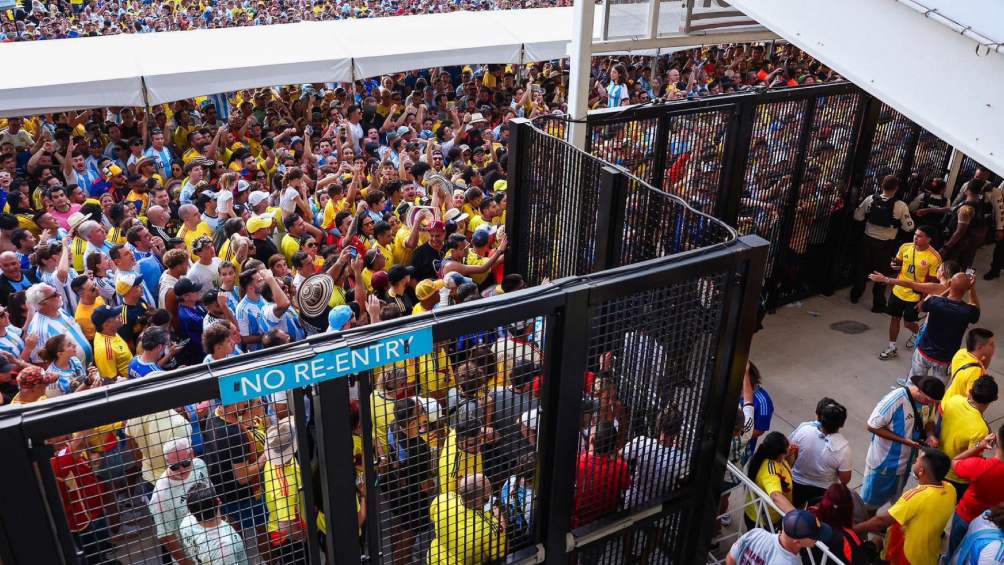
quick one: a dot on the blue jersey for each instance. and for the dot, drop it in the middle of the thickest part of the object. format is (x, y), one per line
(139, 368)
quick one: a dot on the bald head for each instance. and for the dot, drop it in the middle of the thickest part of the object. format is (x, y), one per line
(474, 490)
(158, 215)
(959, 285)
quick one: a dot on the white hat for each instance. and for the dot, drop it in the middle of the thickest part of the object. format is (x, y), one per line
(243, 185)
(257, 197)
(280, 442)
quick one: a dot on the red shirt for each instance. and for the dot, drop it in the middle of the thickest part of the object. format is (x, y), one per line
(599, 480)
(986, 485)
(80, 491)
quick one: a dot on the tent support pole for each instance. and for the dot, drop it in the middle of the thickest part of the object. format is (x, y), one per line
(580, 53)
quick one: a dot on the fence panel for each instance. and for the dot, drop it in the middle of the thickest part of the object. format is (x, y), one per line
(631, 145)
(556, 187)
(930, 161)
(455, 432)
(769, 177)
(822, 193)
(695, 153)
(890, 146)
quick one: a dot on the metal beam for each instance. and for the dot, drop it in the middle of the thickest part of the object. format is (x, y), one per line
(580, 59)
(690, 40)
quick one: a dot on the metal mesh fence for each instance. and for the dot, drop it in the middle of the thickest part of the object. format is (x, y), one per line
(821, 195)
(650, 358)
(657, 224)
(455, 447)
(695, 152)
(768, 180)
(560, 226)
(201, 483)
(967, 170)
(890, 145)
(630, 145)
(930, 160)
(658, 542)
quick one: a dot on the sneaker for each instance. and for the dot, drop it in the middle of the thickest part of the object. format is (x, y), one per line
(888, 353)
(910, 343)
(991, 275)
(725, 520)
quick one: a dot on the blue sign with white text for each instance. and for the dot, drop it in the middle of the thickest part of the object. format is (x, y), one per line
(324, 366)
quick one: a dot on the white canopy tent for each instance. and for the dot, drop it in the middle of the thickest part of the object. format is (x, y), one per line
(131, 70)
(939, 62)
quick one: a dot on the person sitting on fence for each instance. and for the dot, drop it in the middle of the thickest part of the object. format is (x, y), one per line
(167, 502)
(467, 529)
(770, 469)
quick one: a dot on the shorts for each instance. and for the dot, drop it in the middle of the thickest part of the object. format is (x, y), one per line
(882, 487)
(899, 308)
(923, 366)
(246, 512)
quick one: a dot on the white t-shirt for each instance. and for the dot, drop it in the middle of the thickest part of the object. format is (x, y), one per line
(288, 200)
(820, 456)
(169, 501)
(656, 469)
(206, 275)
(219, 545)
(760, 547)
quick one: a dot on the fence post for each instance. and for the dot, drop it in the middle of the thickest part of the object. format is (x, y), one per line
(338, 472)
(518, 197)
(909, 157)
(610, 204)
(732, 352)
(27, 528)
(788, 218)
(737, 148)
(561, 415)
(661, 150)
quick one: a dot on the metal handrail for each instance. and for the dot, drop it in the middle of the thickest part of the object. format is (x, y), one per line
(762, 502)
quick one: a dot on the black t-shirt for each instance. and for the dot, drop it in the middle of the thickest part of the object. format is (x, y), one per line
(8, 391)
(946, 324)
(9, 287)
(425, 260)
(223, 444)
(264, 249)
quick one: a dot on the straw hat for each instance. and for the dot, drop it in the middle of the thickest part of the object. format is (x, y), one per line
(314, 294)
(280, 442)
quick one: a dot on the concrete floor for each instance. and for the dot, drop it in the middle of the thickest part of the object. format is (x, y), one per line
(802, 359)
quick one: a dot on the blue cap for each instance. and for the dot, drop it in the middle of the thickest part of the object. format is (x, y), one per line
(802, 524)
(338, 317)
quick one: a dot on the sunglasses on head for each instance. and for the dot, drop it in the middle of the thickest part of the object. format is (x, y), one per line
(180, 465)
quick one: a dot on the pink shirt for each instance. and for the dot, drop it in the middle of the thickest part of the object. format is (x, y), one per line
(61, 217)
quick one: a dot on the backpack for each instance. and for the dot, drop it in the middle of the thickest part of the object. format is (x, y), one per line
(881, 212)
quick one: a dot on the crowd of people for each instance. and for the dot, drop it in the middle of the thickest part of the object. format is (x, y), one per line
(930, 427)
(34, 20)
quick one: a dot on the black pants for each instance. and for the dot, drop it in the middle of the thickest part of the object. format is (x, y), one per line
(802, 495)
(875, 255)
(997, 265)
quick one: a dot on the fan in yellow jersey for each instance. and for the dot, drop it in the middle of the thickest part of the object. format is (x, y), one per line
(465, 531)
(111, 353)
(915, 523)
(916, 262)
(970, 362)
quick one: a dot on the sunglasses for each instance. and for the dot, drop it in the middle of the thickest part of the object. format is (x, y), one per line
(180, 465)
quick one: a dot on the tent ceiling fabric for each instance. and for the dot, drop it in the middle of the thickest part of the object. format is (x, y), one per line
(110, 71)
(920, 66)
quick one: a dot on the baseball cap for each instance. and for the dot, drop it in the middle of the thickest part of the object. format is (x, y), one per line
(480, 237)
(437, 226)
(259, 222)
(243, 185)
(257, 197)
(380, 281)
(428, 288)
(125, 283)
(211, 296)
(455, 279)
(401, 131)
(801, 524)
(397, 273)
(102, 314)
(186, 285)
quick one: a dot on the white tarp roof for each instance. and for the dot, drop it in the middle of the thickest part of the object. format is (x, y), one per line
(48, 76)
(913, 59)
